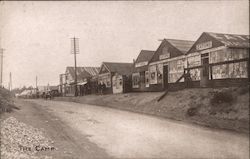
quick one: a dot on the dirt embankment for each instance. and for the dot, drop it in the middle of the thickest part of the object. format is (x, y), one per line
(226, 108)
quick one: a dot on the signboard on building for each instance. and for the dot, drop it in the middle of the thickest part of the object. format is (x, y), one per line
(203, 46)
(140, 64)
(165, 54)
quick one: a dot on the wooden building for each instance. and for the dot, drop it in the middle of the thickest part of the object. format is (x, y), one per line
(84, 80)
(167, 64)
(116, 77)
(140, 76)
(219, 60)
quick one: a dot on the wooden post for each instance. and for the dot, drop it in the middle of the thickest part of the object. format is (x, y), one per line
(211, 72)
(211, 75)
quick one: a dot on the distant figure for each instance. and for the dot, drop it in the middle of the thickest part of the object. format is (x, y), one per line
(188, 79)
(43, 95)
(48, 95)
(100, 88)
(103, 88)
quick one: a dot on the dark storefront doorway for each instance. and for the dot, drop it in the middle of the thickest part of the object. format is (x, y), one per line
(205, 70)
(142, 80)
(165, 76)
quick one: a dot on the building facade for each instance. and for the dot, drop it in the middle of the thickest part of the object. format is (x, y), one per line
(116, 77)
(219, 60)
(140, 75)
(167, 64)
(84, 83)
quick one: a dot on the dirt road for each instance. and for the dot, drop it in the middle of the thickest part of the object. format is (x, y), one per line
(129, 135)
(87, 131)
(69, 143)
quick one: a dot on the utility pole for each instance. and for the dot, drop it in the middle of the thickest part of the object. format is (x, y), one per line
(1, 55)
(75, 50)
(10, 83)
(36, 82)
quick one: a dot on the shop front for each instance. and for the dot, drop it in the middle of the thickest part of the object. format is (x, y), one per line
(121, 83)
(167, 65)
(219, 60)
(115, 77)
(140, 76)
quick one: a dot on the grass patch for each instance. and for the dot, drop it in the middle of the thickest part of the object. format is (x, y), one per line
(6, 101)
(222, 102)
(243, 90)
(222, 97)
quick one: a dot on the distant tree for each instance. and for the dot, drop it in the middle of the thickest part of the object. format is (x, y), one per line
(30, 88)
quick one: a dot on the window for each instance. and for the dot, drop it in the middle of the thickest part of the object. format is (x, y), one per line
(106, 80)
(108, 83)
(228, 55)
(180, 65)
(195, 74)
(153, 74)
(194, 61)
(135, 80)
(232, 70)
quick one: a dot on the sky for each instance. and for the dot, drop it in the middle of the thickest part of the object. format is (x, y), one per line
(36, 35)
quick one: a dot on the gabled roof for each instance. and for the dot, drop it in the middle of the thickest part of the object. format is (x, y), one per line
(120, 68)
(174, 46)
(182, 45)
(144, 55)
(93, 71)
(218, 39)
(231, 40)
(83, 72)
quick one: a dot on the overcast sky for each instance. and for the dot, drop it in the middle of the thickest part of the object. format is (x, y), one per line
(36, 35)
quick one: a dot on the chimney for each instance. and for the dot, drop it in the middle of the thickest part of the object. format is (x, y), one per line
(133, 61)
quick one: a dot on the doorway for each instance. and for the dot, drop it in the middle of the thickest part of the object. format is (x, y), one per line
(142, 80)
(165, 76)
(204, 71)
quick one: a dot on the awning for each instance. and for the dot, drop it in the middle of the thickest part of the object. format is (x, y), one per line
(82, 83)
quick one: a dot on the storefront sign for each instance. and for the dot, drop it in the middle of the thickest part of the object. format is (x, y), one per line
(205, 45)
(140, 64)
(165, 56)
(165, 53)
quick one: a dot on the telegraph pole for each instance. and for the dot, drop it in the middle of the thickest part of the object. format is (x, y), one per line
(10, 83)
(75, 51)
(1, 55)
(36, 82)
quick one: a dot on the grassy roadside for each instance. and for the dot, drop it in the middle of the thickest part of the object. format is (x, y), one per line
(226, 108)
(6, 101)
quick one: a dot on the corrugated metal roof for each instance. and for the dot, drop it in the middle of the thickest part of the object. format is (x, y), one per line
(121, 68)
(182, 45)
(93, 71)
(83, 72)
(231, 40)
(174, 47)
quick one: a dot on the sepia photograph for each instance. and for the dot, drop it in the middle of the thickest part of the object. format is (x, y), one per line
(124, 79)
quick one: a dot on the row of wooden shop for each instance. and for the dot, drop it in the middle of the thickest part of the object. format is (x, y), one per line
(213, 60)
